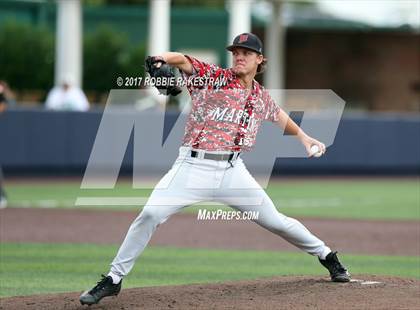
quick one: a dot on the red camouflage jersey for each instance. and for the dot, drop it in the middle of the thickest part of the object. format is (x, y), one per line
(224, 115)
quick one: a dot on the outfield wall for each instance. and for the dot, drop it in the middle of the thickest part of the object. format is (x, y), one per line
(38, 141)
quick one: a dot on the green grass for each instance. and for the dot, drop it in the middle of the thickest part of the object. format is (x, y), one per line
(47, 268)
(359, 199)
(353, 198)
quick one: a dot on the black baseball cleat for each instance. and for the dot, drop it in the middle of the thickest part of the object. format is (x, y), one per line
(103, 288)
(337, 271)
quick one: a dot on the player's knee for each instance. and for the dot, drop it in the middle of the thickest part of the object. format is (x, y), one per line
(154, 215)
(276, 224)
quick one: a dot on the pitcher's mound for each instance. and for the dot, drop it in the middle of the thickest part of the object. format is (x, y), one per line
(303, 292)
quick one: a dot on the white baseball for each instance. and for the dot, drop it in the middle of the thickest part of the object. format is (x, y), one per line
(315, 151)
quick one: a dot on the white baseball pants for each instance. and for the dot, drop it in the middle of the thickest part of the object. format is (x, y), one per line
(193, 180)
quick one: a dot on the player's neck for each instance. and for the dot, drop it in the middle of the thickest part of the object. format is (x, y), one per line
(246, 81)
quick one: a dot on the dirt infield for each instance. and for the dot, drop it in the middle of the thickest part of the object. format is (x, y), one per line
(184, 230)
(274, 293)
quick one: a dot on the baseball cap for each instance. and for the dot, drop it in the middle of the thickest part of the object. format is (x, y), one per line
(247, 40)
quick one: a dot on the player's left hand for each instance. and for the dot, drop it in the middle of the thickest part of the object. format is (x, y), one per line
(308, 142)
(157, 67)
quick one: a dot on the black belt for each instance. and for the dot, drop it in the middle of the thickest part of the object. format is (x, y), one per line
(221, 157)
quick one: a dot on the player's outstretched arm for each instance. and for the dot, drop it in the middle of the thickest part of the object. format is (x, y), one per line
(291, 128)
(178, 60)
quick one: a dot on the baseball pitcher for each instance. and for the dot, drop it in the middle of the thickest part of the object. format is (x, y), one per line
(223, 122)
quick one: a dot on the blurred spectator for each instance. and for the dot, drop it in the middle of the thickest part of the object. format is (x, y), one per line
(7, 97)
(3, 199)
(67, 97)
(3, 105)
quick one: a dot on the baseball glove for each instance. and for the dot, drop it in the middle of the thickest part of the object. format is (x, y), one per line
(159, 69)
